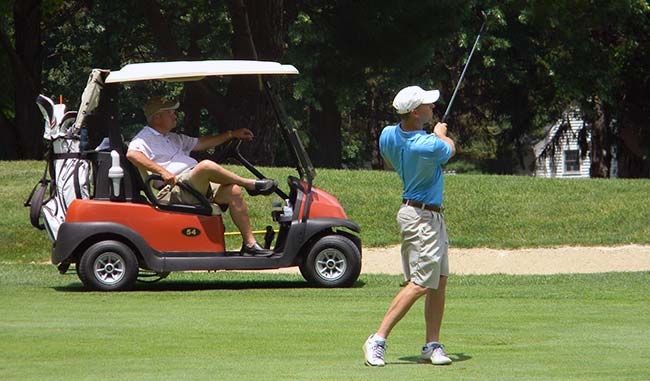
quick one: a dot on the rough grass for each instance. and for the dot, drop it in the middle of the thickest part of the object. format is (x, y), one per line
(481, 210)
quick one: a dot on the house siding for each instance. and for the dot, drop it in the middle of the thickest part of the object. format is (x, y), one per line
(555, 167)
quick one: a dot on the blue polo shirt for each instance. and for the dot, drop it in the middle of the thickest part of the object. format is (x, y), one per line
(417, 157)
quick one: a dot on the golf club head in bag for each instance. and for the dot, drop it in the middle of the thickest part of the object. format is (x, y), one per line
(71, 173)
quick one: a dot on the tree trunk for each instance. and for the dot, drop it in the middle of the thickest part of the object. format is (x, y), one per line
(243, 46)
(192, 102)
(27, 66)
(633, 157)
(197, 94)
(257, 34)
(600, 147)
(632, 166)
(374, 129)
(633, 154)
(325, 147)
(8, 144)
(160, 30)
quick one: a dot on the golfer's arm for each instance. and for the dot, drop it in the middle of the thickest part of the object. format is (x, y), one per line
(140, 160)
(207, 142)
(448, 140)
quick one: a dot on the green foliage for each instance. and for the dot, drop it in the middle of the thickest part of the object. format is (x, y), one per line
(530, 63)
(7, 97)
(109, 35)
(211, 325)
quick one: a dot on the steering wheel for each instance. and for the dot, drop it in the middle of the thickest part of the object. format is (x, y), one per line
(226, 150)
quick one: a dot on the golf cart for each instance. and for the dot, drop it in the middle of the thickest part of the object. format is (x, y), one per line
(119, 231)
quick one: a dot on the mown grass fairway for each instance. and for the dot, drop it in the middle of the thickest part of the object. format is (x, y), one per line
(261, 326)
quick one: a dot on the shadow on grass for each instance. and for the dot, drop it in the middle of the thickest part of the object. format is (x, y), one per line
(203, 285)
(455, 357)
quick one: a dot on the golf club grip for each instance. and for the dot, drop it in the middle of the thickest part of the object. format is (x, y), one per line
(462, 75)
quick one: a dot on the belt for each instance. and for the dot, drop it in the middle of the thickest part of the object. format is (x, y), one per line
(420, 205)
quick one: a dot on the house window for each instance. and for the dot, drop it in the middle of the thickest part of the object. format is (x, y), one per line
(571, 161)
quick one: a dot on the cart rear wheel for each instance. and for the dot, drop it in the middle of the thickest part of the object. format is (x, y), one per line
(108, 266)
(334, 261)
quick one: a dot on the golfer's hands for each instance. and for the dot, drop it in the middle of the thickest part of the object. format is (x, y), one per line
(168, 178)
(243, 134)
(440, 129)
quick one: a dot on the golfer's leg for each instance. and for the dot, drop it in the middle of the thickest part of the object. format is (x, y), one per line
(434, 308)
(399, 307)
(208, 171)
(232, 195)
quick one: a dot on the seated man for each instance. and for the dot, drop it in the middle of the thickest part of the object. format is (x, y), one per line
(158, 150)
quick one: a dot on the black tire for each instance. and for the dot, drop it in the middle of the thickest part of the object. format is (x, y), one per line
(333, 261)
(108, 266)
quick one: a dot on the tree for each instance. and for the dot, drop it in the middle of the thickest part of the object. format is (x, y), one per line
(199, 29)
(537, 63)
(258, 34)
(169, 36)
(22, 138)
(633, 128)
(592, 65)
(531, 63)
(244, 103)
(348, 51)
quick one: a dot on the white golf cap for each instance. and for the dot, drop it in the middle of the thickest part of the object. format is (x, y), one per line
(409, 98)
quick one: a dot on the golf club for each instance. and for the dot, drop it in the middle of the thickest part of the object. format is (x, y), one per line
(453, 96)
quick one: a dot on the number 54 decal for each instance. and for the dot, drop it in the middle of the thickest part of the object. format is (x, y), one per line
(191, 232)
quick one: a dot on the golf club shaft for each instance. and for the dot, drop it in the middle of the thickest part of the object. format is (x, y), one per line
(453, 96)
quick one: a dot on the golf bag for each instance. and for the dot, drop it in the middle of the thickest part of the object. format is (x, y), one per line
(69, 173)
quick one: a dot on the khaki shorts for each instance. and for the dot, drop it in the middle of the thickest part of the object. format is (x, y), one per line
(424, 246)
(177, 195)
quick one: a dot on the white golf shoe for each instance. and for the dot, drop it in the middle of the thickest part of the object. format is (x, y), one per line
(374, 352)
(436, 353)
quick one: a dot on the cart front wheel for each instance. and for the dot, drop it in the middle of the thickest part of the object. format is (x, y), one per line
(334, 261)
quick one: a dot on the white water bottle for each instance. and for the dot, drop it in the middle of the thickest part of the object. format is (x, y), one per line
(115, 172)
(287, 211)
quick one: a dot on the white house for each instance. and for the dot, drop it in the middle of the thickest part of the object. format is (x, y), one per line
(558, 153)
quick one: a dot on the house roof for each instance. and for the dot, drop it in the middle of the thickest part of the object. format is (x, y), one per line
(552, 131)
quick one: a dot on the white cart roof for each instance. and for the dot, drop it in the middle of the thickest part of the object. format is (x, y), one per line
(195, 70)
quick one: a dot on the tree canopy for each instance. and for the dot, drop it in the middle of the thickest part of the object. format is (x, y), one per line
(535, 60)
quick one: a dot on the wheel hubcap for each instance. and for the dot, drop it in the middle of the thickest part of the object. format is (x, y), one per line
(109, 268)
(331, 264)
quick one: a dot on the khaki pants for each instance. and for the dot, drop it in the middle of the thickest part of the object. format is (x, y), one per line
(177, 195)
(424, 246)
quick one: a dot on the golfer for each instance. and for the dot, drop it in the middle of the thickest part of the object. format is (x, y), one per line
(156, 149)
(417, 157)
